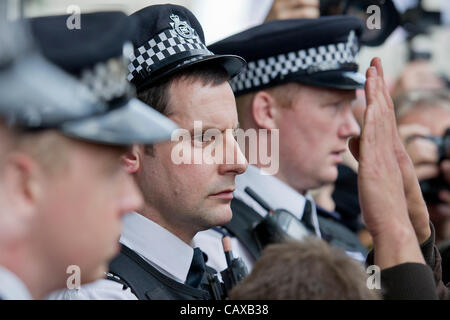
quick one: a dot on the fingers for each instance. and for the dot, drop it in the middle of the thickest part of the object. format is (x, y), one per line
(376, 62)
(375, 85)
(422, 151)
(374, 120)
(438, 212)
(426, 171)
(371, 86)
(445, 169)
(444, 196)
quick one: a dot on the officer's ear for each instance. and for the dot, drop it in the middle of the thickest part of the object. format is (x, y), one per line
(132, 159)
(22, 179)
(264, 110)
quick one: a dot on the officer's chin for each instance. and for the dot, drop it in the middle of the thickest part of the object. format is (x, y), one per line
(223, 214)
(330, 176)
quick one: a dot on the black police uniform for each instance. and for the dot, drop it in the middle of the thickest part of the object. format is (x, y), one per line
(317, 52)
(147, 283)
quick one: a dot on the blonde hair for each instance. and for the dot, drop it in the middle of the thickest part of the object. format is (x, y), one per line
(49, 148)
(284, 94)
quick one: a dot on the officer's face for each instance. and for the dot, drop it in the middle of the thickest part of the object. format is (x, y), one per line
(187, 198)
(313, 135)
(79, 210)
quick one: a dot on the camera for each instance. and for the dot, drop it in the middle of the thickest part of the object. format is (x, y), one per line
(415, 20)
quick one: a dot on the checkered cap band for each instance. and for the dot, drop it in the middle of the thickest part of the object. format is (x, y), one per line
(164, 45)
(106, 80)
(323, 58)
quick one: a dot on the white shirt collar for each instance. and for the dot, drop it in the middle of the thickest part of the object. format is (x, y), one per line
(276, 193)
(160, 248)
(11, 287)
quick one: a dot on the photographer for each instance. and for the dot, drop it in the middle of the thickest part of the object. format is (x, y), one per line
(423, 117)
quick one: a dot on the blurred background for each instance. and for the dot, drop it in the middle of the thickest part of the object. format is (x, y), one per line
(223, 18)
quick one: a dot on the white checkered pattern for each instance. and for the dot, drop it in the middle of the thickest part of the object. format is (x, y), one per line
(163, 46)
(322, 58)
(106, 80)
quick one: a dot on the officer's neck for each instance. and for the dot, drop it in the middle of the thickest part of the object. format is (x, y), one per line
(182, 231)
(282, 177)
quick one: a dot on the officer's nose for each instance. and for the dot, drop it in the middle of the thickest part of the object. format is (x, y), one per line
(131, 197)
(234, 161)
(350, 126)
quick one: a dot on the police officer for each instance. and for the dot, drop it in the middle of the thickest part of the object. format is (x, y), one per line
(67, 128)
(176, 74)
(299, 82)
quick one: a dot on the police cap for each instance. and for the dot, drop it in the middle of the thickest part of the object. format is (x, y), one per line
(319, 52)
(93, 56)
(170, 39)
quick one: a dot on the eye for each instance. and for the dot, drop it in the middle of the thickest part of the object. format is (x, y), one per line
(335, 105)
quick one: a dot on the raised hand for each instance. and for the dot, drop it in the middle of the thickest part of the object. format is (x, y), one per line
(381, 178)
(417, 209)
(379, 95)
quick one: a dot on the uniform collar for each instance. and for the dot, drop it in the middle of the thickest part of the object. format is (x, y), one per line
(156, 245)
(276, 193)
(11, 287)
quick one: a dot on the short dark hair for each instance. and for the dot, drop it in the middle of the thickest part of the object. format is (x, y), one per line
(306, 270)
(157, 96)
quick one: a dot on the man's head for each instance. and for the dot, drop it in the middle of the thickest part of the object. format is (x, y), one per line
(71, 119)
(427, 113)
(314, 124)
(307, 270)
(75, 194)
(301, 79)
(186, 198)
(430, 109)
(176, 74)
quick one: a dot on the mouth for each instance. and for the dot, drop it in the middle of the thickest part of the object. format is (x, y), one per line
(226, 194)
(337, 155)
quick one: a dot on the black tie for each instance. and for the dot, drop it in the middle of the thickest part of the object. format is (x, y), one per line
(307, 218)
(197, 269)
